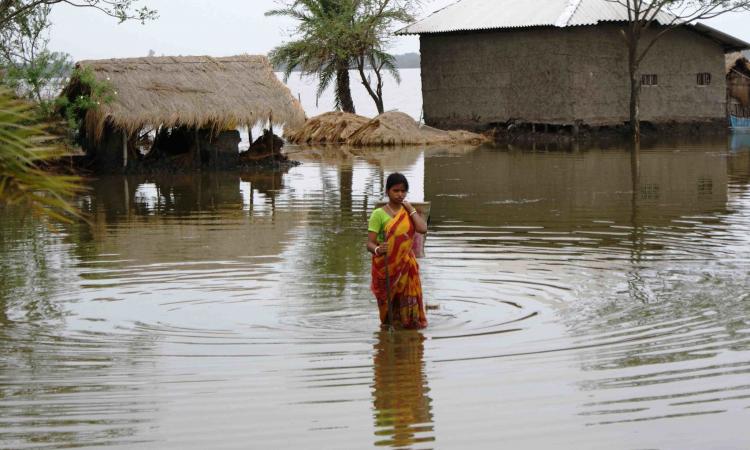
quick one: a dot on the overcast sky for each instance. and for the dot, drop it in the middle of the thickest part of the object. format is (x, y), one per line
(219, 28)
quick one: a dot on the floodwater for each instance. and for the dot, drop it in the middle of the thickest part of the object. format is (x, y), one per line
(578, 300)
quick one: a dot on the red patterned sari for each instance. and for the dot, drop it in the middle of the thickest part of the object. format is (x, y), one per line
(400, 280)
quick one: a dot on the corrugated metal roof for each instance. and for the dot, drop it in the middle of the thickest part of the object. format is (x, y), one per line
(476, 15)
(470, 15)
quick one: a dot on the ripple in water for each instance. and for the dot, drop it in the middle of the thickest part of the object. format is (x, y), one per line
(570, 302)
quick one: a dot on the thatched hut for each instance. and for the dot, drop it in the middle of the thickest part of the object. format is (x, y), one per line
(738, 84)
(194, 104)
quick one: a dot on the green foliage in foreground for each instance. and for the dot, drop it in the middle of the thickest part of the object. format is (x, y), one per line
(25, 152)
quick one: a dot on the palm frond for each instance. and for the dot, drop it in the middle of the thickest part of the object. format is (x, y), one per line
(25, 151)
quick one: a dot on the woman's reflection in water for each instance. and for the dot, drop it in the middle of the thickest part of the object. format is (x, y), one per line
(403, 409)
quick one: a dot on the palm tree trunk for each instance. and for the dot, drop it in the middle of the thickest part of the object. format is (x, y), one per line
(343, 91)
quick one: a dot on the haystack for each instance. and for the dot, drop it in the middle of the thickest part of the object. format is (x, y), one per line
(328, 128)
(390, 128)
(192, 91)
(397, 128)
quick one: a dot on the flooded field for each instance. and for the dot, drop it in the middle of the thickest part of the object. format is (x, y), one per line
(578, 300)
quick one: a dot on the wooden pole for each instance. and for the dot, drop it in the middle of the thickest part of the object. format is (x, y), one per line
(215, 156)
(388, 302)
(270, 136)
(197, 154)
(124, 149)
(126, 188)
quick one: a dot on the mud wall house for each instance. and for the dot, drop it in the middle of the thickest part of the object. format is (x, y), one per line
(738, 84)
(192, 104)
(487, 62)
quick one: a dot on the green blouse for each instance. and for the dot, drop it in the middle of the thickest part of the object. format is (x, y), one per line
(378, 220)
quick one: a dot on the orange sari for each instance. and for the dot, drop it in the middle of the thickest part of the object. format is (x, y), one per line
(400, 280)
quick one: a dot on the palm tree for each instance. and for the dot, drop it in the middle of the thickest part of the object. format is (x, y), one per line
(323, 47)
(25, 154)
(372, 29)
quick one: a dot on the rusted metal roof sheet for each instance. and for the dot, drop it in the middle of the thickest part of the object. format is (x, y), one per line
(471, 15)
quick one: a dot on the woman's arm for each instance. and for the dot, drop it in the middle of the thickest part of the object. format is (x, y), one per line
(373, 246)
(419, 224)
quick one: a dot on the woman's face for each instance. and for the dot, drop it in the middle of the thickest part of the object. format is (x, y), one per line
(397, 193)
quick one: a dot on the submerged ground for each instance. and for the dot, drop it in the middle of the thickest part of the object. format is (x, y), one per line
(578, 300)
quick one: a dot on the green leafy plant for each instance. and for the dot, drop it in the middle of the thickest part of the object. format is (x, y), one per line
(83, 94)
(26, 152)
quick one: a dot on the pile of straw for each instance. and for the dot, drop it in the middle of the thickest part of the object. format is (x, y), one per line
(390, 128)
(327, 128)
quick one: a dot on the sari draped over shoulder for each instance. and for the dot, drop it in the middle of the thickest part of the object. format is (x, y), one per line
(397, 285)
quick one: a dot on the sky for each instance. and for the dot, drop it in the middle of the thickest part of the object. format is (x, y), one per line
(220, 28)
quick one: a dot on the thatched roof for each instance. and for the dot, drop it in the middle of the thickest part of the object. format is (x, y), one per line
(738, 63)
(390, 128)
(194, 91)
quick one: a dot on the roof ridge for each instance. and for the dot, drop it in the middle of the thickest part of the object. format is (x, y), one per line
(568, 13)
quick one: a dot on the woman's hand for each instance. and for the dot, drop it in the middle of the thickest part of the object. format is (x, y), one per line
(419, 224)
(381, 249)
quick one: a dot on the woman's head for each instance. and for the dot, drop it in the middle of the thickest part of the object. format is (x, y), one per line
(396, 187)
(394, 179)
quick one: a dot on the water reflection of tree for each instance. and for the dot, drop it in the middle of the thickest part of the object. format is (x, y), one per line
(50, 372)
(337, 240)
(637, 238)
(73, 390)
(30, 272)
(401, 402)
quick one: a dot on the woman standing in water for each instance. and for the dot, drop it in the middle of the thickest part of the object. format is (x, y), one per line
(395, 271)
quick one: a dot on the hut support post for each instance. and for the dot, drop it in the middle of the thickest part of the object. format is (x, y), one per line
(197, 149)
(126, 188)
(270, 136)
(124, 149)
(215, 156)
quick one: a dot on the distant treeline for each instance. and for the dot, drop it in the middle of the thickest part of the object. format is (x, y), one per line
(405, 61)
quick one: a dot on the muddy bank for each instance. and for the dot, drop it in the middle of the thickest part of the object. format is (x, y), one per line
(528, 135)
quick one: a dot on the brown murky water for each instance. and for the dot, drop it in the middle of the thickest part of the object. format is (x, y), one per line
(577, 304)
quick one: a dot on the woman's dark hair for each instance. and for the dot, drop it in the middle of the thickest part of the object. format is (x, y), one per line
(394, 179)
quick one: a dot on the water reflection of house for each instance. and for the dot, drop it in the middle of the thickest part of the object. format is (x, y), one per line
(564, 190)
(189, 100)
(560, 61)
(189, 218)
